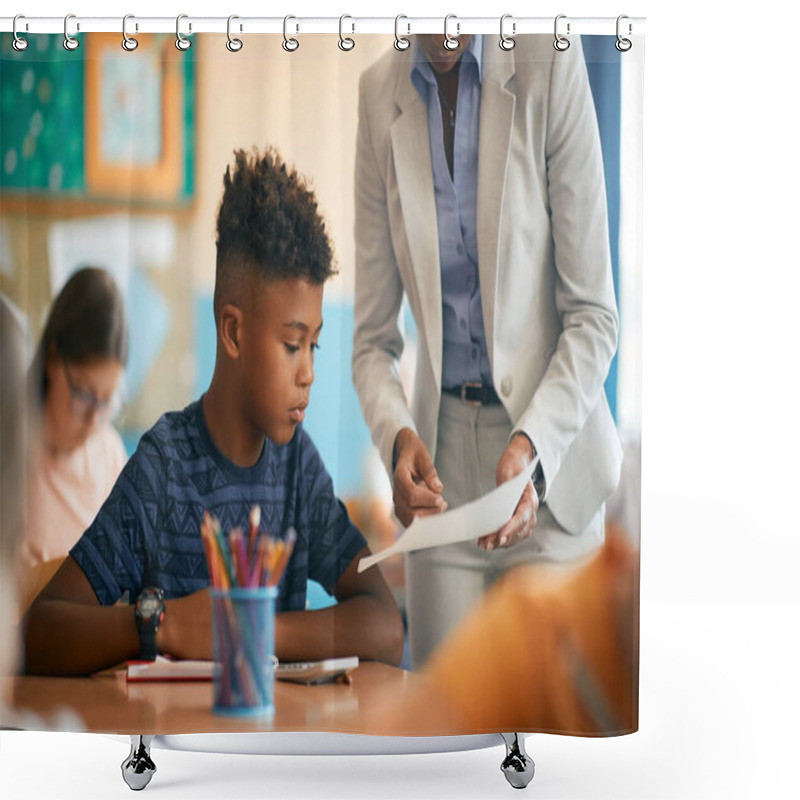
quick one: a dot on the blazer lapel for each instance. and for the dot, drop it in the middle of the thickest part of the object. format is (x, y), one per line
(412, 161)
(496, 127)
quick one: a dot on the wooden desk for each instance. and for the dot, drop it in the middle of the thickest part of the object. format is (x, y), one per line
(108, 704)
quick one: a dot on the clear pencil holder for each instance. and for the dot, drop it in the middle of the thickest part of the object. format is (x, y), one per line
(244, 651)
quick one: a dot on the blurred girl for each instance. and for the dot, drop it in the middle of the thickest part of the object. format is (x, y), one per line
(75, 379)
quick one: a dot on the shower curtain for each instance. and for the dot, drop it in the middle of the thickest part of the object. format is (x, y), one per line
(520, 181)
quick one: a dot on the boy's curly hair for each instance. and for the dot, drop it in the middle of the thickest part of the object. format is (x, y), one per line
(268, 224)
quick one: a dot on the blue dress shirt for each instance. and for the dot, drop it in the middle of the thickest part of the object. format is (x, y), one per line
(465, 356)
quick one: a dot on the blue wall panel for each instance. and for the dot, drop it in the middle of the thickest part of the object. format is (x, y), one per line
(604, 68)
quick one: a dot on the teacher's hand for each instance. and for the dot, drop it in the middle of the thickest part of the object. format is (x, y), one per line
(417, 490)
(515, 458)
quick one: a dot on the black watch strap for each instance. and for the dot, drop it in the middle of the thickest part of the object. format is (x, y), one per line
(147, 642)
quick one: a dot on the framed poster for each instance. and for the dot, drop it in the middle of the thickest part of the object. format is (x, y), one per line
(135, 120)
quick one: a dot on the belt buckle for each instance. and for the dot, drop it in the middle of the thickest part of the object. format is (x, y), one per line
(470, 385)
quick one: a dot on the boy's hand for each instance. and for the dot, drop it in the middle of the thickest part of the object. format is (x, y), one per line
(186, 630)
(517, 455)
(417, 490)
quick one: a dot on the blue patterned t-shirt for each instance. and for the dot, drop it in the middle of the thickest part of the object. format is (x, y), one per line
(147, 533)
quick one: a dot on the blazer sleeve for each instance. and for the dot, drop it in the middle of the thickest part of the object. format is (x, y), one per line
(572, 384)
(378, 341)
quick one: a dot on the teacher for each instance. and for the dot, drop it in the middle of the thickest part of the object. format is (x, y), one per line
(480, 196)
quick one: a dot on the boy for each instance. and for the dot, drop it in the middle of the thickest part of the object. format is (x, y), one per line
(240, 444)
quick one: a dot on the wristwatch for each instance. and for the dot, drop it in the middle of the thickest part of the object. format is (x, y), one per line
(538, 482)
(538, 474)
(150, 610)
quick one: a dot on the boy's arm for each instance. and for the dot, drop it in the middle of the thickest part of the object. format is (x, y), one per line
(366, 622)
(67, 631)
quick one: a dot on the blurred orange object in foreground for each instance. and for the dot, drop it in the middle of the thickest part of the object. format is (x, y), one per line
(549, 649)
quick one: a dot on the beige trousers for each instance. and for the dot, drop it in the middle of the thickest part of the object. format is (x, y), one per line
(443, 583)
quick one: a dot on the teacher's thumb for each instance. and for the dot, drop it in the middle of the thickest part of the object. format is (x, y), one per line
(432, 479)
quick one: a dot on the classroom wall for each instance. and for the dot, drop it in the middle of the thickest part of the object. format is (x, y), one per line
(263, 95)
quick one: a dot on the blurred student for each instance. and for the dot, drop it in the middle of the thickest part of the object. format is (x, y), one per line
(74, 381)
(12, 467)
(241, 444)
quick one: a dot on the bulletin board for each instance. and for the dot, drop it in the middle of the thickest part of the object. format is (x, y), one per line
(98, 126)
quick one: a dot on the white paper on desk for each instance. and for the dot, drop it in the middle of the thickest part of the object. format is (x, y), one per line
(468, 522)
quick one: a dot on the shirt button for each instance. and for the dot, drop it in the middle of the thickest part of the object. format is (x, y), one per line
(506, 385)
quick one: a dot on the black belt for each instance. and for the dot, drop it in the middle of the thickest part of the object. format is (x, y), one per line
(477, 394)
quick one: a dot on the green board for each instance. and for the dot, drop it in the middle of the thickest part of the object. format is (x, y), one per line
(42, 120)
(41, 116)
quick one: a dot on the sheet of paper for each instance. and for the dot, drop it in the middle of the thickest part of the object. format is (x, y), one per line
(468, 522)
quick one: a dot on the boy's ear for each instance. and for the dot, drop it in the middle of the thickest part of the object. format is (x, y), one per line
(230, 329)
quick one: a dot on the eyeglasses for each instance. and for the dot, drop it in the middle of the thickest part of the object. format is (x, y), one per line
(83, 401)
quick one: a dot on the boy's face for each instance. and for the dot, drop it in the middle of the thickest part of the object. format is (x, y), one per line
(281, 328)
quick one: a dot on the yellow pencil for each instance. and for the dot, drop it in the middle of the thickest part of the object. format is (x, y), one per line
(286, 547)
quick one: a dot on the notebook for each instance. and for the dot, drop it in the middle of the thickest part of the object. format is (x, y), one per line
(310, 672)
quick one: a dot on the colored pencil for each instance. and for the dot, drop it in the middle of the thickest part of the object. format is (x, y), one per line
(285, 554)
(255, 522)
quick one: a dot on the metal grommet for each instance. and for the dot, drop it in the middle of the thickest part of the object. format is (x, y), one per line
(289, 44)
(623, 45)
(181, 42)
(128, 42)
(70, 42)
(234, 45)
(19, 44)
(451, 42)
(560, 42)
(400, 42)
(345, 42)
(507, 42)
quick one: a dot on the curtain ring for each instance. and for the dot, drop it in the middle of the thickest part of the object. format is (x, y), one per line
(289, 44)
(560, 42)
(19, 44)
(451, 42)
(129, 43)
(623, 45)
(70, 42)
(234, 45)
(181, 42)
(507, 42)
(400, 42)
(345, 42)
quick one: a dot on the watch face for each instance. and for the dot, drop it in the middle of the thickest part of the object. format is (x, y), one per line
(149, 606)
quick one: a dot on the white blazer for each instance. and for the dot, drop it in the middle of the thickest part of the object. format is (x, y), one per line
(546, 284)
